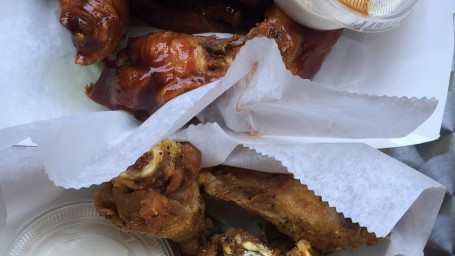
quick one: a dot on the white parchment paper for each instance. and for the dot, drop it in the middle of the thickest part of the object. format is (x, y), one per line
(89, 148)
(42, 98)
(38, 77)
(273, 102)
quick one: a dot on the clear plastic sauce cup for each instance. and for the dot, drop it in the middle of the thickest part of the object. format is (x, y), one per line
(79, 230)
(359, 15)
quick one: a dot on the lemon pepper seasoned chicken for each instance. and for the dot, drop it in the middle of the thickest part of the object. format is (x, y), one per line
(97, 26)
(158, 196)
(236, 242)
(239, 242)
(290, 206)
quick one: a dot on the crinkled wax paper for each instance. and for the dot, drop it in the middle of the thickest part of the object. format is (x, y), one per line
(42, 98)
(89, 148)
(359, 181)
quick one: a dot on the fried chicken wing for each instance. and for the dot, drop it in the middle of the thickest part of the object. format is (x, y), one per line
(302, 248)
(158, 67)
(290, 206)
(97, 26)
(239, 242)
(158, 196)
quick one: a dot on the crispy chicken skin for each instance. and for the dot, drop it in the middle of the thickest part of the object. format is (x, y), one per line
(158, 196)
(236, 242)
(158, 67)
(302, 248)
(239, 242)
(97, 26)
(290, 206)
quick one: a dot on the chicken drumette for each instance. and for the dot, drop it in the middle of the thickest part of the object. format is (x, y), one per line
(158, 196)
(97, 26)
(158, 67)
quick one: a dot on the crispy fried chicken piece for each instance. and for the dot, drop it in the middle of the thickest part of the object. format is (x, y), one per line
(239, 242)
(290, 206)
(302, 248)
(158, 196)
(97, 26)
(230, 16)
(303, 49)
(158, 67)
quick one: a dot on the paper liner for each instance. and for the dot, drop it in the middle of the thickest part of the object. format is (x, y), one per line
(89, 148)
(272, 102)
(357, 180)
(395, 63)
(338, 172)
(38, 77)
(409, 216)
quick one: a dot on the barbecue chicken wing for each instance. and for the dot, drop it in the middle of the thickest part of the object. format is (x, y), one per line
(97, 26)
(303, 49)
(231, 16)
(158, 67)
(290, 206)
(158, 196)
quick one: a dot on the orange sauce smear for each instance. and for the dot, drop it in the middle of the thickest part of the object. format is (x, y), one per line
(361, 6)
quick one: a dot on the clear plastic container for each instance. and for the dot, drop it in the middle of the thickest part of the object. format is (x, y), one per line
(359, 15)
(79, 230)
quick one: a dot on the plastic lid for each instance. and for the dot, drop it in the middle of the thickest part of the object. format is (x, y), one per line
(359, 15)
(79, 230)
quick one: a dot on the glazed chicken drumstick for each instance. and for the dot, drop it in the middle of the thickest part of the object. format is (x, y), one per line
(291, 207)
(158, 67)
(158, 196)
(97, 26)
